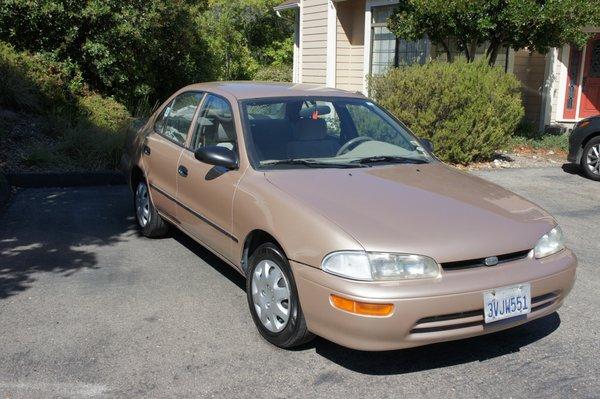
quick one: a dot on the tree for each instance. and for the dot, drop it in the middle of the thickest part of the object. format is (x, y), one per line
(244, 36)
(140, 51)
(536, 25)
(134, 50)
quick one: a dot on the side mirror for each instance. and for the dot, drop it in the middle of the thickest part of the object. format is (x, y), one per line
(218, 156)
(427, 144)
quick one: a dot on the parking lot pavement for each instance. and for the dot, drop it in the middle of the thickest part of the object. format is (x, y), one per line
(88, 308)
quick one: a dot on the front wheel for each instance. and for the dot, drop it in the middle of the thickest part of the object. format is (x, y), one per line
(590, 160)
(150, 222)
(273, 298)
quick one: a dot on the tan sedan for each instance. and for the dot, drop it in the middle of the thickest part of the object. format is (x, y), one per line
(342, 221)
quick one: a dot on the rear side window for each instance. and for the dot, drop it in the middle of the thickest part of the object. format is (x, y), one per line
(215, 124)
(176, 119)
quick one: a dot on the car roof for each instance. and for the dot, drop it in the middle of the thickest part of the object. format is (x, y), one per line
(248, 89)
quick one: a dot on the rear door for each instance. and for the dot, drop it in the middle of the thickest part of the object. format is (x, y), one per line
(163, 148)
(206, 191)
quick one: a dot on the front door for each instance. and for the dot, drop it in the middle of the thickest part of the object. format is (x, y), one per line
(590, 93)
(163, 148)
(205, 191)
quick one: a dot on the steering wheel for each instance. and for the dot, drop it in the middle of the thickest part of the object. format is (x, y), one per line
(352, 144)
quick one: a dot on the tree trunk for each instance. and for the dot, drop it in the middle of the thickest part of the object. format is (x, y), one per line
(466, 50)
(473, 50)
(449, 57)
(492, 53)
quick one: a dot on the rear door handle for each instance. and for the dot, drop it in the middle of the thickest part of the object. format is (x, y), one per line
(146, 150)
(182, 170)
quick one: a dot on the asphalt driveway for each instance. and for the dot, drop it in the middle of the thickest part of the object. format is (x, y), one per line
(89, 308)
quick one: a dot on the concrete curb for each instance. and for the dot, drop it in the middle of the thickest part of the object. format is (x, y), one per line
(70, 179)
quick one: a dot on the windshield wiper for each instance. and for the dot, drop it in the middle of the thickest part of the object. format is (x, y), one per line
(389, 158)
(310, 163)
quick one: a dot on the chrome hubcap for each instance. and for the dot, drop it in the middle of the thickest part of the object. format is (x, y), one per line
(593, 159)
(271, 296)
(142, 204)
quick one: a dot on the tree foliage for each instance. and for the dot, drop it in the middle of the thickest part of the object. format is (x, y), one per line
(245, 35)
(534, 24)
(140, 51)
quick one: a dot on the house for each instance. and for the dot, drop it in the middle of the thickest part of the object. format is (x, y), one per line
(338, 43)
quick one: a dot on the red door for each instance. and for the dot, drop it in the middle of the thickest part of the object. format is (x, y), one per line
(590, 94)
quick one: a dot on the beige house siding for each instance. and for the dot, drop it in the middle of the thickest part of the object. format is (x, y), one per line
(530, 69)
(350, 30)
(314, 41)
(555, 82)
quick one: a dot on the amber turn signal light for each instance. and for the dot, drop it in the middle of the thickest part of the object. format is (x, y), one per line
(362, 308)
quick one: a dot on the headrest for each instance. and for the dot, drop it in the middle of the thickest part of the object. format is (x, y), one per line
(225, 132)
(310, 129)
(221, 114)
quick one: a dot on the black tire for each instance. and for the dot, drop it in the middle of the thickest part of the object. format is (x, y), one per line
(586, 150)
(295, 332)
(155, 226)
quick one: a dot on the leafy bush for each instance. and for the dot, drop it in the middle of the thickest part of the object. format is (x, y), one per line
(274, 73)
(90, 129)
(128, 49)
(468, 110)
(141, 51)
(104, 113)
(36, 83)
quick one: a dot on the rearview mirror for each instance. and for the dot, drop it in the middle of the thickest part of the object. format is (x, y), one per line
(218, 156)
(427, 144)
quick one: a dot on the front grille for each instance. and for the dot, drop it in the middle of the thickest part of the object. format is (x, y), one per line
(471, 263)
(456, 321)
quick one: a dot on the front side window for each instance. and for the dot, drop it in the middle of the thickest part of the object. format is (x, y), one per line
(176, 119)
(328, 132)
(214, 125)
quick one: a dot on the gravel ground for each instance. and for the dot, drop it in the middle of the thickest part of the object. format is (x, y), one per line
(88, 309)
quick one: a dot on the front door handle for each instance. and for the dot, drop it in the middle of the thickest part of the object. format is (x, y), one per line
(146, 150)
(182, 170)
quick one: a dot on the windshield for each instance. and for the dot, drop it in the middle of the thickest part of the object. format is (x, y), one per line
(303, 132)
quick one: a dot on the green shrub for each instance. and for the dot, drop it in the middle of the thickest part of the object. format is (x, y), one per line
(104, 113)
(35, 82)
(89, 128)
(468, 110)
(274, 73)
(90, 148)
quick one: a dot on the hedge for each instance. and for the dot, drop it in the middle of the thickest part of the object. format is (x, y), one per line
(468, 110)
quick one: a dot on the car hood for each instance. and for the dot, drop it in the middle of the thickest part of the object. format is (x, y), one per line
(430, 209)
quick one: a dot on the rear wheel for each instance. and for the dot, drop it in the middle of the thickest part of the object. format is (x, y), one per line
(273, 298)
(590, 160)
(150, 222)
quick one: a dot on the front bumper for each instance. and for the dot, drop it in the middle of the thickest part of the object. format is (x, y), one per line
(431, 311)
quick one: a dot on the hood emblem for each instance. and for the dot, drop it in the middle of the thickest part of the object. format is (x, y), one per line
(491, 261)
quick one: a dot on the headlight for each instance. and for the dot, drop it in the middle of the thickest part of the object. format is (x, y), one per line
(380, 266)
(550, 243)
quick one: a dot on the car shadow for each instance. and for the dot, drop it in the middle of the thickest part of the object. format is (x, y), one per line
(209, 258)
(438, 355)
(573, 169)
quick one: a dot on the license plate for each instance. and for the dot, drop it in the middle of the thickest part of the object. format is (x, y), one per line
(506, 302)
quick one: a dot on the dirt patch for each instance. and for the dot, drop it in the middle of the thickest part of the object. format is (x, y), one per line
(523, 157)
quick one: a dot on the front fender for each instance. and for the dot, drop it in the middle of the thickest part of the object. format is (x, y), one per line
(305, 235)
